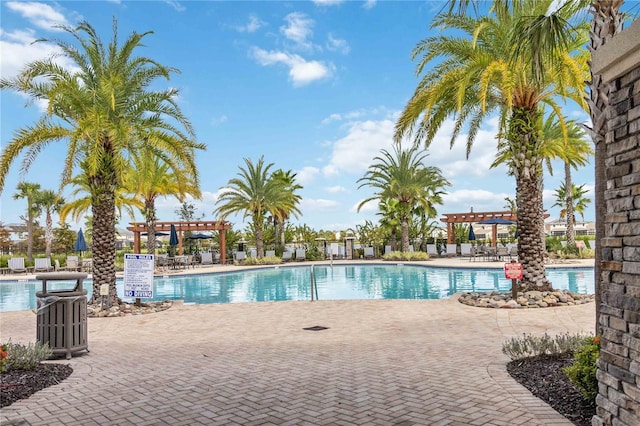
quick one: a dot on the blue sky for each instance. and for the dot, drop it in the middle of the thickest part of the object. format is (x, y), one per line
(315, 87)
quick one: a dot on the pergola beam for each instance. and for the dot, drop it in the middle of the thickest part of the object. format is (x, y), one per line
(195, 226)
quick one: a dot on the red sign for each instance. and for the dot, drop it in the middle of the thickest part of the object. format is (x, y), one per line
(513, 271)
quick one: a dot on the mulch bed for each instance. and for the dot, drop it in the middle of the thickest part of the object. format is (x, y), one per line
(20, 384)
(544, 377)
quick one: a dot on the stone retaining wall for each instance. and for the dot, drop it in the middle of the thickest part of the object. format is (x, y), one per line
(619, 364)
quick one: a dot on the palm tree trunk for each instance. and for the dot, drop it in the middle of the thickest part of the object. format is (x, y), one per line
(607, 22)
(29, 231)
(150, 218)
(527, 168)
(394, 238)
(404, 223)
(571, 219)
(48, 234)
(257, 230)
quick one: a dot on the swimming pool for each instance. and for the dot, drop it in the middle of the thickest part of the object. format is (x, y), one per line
(333, 282)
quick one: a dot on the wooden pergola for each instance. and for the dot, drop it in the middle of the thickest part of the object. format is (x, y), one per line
(472, 217)
(195, 226)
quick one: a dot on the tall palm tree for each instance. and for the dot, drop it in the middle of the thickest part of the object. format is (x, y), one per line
(103, 109)
(606, 23)
(577, 198)
(50, 202)
(481, 74)
(29, 191)
(403, 177)
(255, 194)
(149, 178)
(288, 181)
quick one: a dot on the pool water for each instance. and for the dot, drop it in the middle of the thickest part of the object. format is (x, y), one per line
(337, 282)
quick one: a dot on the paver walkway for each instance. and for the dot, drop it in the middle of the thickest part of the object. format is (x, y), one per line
(381, 362)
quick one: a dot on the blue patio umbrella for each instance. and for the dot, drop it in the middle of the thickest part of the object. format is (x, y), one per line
(472, 235)
(156, 233)
(173, 236)
(496, 221)
(81, 244)
(199, 237)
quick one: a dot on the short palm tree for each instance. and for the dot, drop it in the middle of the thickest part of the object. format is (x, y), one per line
(30, 192)
(481, 73)
(49, 202)
(151, 177)
(578, 199)
(288, 181)
(255, 194)
(403, 177)
(103, 110)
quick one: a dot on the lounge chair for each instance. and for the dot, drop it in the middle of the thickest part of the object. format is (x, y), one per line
(16, 265)
(387, 249)
(502, 253)
(240, 256)
(432, 250)
(368, 253)
(42, 264)
(286, 256)
(206, 258)
(253, 253)
(270, 253)
(452, 250)
(301, 254)
(72, 264)
(465, 249)
(411, 249)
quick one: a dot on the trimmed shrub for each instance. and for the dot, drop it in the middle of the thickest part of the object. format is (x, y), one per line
(583, 371)
(20, 357)
(529, 345)
(406, 255)
(267, 260)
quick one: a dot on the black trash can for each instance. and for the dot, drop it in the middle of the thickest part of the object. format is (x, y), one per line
(62, 314)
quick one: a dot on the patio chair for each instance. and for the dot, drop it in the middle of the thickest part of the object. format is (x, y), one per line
(286, 256)
(16, 265)
(465, 249)
(452, 250)
(301, 254)
(240, 256)
(502, 252)
(411, 249)
(432, 250)
(42, 264)
(270, 253)
(387, 249)
(206, 258)
(368, 253)
(72, 264)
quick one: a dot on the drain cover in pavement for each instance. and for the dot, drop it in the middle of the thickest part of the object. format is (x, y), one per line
(316, 328)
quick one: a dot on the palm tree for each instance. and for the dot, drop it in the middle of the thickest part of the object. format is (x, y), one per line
(403, 177)
(388, 209)
(149, 178)
(510, 204)
(103, 109)
(482, 73)
(49, 202)
(288, 181)
(256, 194)
(29, 191)
(606, 23)
(574, 151)
(578, 200)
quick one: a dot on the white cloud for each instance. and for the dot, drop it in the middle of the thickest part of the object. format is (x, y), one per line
(368, 207)
(336, 44)
(369, 4)
(355, 152)
(41, 15)
(176, 5)
(218, 120)
(328, 2)
(335, 189)
(298, 29)
(306, 175)
(309, 205)
(252, 26)
(301, 71)
(480, 199)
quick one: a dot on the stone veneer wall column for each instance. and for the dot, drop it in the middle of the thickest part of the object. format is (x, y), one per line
(619, 364)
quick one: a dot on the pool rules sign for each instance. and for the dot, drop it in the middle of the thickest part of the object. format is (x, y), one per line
(138, 275)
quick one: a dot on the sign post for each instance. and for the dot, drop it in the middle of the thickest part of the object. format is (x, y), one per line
(138, 276)
(513, 271)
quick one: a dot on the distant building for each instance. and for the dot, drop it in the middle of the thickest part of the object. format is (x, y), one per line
(558, 228)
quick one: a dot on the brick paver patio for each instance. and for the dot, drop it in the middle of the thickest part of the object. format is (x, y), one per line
(381, 362)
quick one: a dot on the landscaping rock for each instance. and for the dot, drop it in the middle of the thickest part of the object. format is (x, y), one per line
(529, 299)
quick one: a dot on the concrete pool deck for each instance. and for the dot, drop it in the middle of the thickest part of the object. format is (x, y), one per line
(385, 362)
